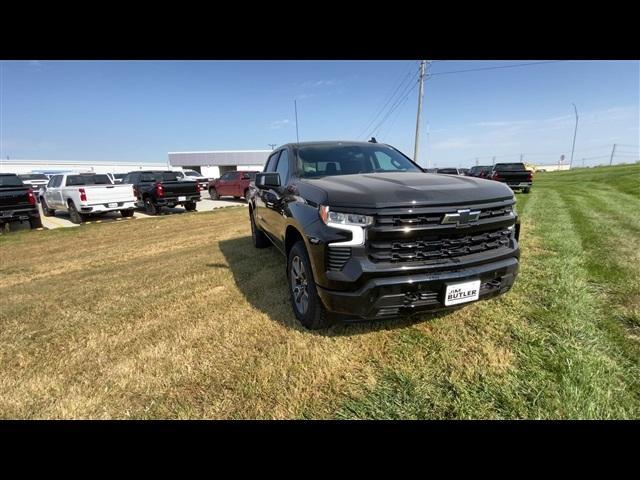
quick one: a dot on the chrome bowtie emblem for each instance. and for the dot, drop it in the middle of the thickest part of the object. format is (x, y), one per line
(463, 217)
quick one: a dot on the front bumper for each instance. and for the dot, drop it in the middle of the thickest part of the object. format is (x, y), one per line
(394, 296)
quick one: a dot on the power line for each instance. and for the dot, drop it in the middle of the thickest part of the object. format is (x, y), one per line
(494, 68)
(395, 105)
(404, 79)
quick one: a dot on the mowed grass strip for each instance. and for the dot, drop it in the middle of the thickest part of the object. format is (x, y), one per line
(553, 346)
(180, 317)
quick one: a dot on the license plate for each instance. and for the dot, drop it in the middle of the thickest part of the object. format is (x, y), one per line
(112, 205)
(463, 292)
(182, 199)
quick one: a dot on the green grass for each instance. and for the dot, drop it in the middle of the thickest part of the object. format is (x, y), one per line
(179, 317)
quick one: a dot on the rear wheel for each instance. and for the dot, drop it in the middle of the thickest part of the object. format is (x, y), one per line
(526, 190)
(35, 222)
(306, 303)
(150, 208)
(46, 211)
(76, 217)
(126, 213)
(190, 206)
(260, 240)
(213, 193)
(246, 194)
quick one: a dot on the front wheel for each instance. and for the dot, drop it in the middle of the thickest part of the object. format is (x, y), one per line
(246, 194)
(306, 303)
(126, 213)
(213, 193)
(190, 206)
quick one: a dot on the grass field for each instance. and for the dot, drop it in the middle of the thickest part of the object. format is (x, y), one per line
(180, 317)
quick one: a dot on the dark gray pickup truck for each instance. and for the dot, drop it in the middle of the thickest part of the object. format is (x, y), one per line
(155, 189)
(368, 234)
(17, 202)
(515, 175)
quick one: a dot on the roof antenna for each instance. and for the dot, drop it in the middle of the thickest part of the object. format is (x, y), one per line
(373, 140)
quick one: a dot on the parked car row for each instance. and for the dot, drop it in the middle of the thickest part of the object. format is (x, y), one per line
(515, 175)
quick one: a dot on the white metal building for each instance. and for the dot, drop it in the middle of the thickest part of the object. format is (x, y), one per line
(213, 164)
(54, 166)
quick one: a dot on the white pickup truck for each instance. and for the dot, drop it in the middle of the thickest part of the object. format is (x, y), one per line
(82, 194)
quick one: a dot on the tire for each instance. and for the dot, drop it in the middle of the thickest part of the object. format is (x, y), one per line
(526, 190)
(46, 211)
(306, 303)
(149, 207)
(245, 194)
(190, 206)
(127, 213)
(35, 222)
(237, 198)
(260, 240)
(76, 217)
(213, 193)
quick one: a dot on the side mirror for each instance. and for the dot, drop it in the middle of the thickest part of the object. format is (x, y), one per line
(268, 180)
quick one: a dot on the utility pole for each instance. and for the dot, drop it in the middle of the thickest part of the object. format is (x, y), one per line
(295, 105)
(272, 145)
(583, 163)
(476, 161)
(423, 64)
(575, 132)
(613, 152)
(521, 157)
(493, 161)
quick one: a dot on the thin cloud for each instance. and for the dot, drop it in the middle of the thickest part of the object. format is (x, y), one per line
(279, 124)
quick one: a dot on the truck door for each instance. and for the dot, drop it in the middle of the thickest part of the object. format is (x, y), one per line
(53, 195)
(264, 198)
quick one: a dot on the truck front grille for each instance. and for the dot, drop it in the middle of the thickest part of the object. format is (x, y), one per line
(338, 256)
(437, 247)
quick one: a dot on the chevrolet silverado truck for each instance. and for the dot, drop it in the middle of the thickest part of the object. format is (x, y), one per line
(515, 175)
(84, 194)
(17, 202)
(369, 235)
(155, 189)
(35, 181)
(234, 184)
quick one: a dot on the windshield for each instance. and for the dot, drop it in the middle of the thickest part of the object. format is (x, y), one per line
(75, 180)
(119, 175)
(510, 167)
(191, 173)
(327, 160)
(448, 171)
(10, 181)
(33, 176)
(250, 175)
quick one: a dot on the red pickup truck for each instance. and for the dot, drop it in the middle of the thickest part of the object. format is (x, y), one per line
(231, 184)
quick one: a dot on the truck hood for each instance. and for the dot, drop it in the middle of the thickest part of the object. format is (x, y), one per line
(394, 189)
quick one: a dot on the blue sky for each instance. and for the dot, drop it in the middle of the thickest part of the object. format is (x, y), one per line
(140, 110)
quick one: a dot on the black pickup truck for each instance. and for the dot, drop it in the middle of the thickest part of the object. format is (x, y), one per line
(368, 234)
(17, 201)
(515, 175)
(155, 189)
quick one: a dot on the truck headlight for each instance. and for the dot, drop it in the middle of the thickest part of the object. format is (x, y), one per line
(340, 218)
(351, 222)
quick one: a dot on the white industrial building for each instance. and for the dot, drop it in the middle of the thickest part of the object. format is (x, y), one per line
(213, 164)
(56, 166)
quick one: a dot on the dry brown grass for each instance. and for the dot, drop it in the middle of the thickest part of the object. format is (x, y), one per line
(173, 317)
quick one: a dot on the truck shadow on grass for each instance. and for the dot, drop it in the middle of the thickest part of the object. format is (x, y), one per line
(259, 274)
